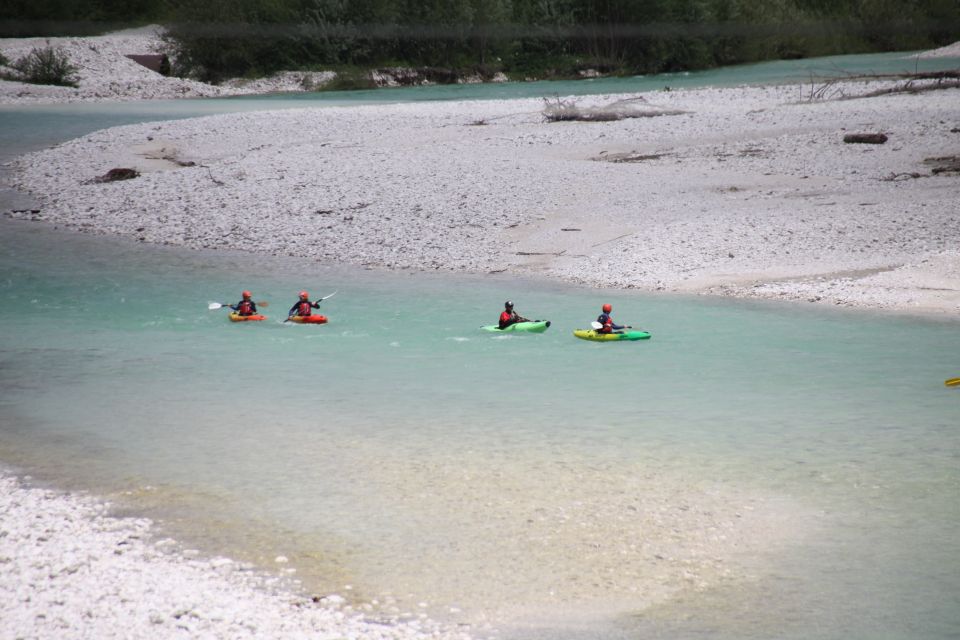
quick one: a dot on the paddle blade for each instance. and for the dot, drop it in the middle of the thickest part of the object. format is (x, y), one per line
(952, 382)
(263, 304)
(596, 325)
(329, 296)
(214, 305)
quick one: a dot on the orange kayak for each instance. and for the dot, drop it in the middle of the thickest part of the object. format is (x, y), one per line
(236, 317)
(315, 319)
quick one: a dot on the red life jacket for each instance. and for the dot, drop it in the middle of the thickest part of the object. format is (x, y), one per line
(607, 323)
(245, 308)
(303, 309)
(505, 317)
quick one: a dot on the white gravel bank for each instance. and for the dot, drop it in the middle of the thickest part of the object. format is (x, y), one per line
(949, 51)
(751, 192)
(67, 570)
(106, 74)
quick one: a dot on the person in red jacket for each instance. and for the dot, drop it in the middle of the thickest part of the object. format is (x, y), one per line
(608, 325)
(509, 316)
(303, 306)
(246, 307)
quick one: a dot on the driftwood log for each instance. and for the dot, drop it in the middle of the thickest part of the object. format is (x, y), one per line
(865, 138)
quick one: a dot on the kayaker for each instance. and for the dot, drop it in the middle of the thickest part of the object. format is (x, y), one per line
(607, 322)
(303, 306)
(245, 307)
(509, 316)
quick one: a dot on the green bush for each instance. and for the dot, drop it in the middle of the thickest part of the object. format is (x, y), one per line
(47, 65)
(217, 39)
(4, 62)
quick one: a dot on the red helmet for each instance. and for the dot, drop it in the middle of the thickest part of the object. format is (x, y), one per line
(247, 294)
(607, 308)
(304, 294)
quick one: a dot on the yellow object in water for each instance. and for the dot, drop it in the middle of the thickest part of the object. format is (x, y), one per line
(953, 382)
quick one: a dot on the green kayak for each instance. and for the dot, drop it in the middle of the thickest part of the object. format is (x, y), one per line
(590, 334)
(528, 327)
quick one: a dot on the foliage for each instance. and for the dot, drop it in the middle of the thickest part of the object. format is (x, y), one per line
(46, 65)
(218, 39)
(215, 39)
(26, 18)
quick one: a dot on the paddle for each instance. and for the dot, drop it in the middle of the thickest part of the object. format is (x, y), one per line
(220, 305)
(597, 326)
(952, 382)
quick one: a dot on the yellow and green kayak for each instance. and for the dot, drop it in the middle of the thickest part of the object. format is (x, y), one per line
(591, 334)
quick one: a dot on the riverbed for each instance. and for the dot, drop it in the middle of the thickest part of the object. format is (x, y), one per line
(756, 469)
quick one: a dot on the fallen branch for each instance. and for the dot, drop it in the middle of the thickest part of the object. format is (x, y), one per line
(536, 253)
(941, 165)
(485, 121)
(612, 239)
(908, 87)
(895, 177)
(219, 183)
(944, 164)
(620, 158)
(914, 83)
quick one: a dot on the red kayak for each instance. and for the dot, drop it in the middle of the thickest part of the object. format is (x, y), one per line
(315, 319)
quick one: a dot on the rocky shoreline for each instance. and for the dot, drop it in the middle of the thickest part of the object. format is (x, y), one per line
(69, 569)
(748, 191)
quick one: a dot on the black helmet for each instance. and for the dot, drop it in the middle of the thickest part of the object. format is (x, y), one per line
(508, 304)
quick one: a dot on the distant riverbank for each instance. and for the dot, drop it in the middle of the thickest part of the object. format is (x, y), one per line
(743, 191)
(106, 73)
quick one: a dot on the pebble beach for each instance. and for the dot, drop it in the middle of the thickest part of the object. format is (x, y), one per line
(69, 569)
(747, 192)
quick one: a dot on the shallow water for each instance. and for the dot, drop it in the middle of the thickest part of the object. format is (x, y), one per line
(391, 448)
(754, 470)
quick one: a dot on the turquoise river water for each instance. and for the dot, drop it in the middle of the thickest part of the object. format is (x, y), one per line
(779, 471)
